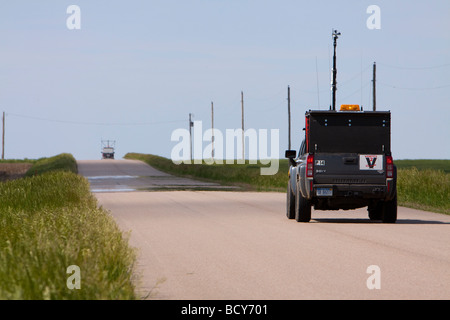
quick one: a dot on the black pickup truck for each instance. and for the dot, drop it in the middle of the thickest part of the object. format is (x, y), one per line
(344, 162)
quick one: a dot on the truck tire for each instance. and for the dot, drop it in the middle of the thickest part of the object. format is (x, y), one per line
(390, 211)
(375, 211)
(302, 208)
(290, 202)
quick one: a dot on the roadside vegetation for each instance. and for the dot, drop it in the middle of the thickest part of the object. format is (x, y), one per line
(422, 184)
(425, 189)
(439, 165)
(61, 162)
(49, 221)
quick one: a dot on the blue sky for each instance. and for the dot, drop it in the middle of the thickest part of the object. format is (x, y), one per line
(136, 69)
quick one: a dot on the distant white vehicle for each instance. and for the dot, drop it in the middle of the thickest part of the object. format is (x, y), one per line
(108, 149)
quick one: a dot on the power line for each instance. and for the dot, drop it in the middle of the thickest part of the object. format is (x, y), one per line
(414, 89)
(357, 75)
(271, 97)
(415, 68)
(94, 123)
(355, 92)
(353, 77)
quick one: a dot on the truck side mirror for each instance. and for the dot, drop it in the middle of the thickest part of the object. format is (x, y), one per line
(290, 154)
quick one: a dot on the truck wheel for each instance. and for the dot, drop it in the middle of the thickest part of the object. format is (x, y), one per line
(290, 202)
(302, 208)
(375, 211)
(390, 211)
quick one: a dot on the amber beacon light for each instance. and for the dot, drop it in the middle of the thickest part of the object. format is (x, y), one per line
(350, 107)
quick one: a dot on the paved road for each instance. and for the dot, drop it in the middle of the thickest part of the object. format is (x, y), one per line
(132, 175)
(233, 245)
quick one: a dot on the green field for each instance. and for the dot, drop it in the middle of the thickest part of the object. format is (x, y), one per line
(50, 221)
(443, 165)
(424, 186)
(18, 161)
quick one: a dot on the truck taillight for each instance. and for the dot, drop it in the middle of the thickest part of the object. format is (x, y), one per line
(389, 167)
(307, 133)
(310, 166)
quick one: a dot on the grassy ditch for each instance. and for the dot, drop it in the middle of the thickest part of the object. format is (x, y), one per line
(50, 221)
(426, 188)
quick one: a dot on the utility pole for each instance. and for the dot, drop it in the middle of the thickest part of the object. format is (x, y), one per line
(243, 138)
(191, 124)
(3, 137)
(335, 35)
(212, 130)
(289, 118)
(374, 91)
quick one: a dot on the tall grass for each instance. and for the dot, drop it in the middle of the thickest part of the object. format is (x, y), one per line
(424, 189)
(61, 162)
(51, 221)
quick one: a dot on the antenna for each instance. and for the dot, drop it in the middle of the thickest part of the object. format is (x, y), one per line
(317, 80)
(289, 117)
(374, 90)
(335, 35)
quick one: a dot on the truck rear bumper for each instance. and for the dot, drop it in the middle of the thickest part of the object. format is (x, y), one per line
(350, 191)
(335, 197)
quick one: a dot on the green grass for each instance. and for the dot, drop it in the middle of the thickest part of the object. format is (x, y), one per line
(443, 165)
(424, 184)
(51, 221)
(426, 188)
(61, 162)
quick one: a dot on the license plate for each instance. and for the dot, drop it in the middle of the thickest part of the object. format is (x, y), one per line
(324, 192)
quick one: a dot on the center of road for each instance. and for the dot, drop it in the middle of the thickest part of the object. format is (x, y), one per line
(134, 175)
